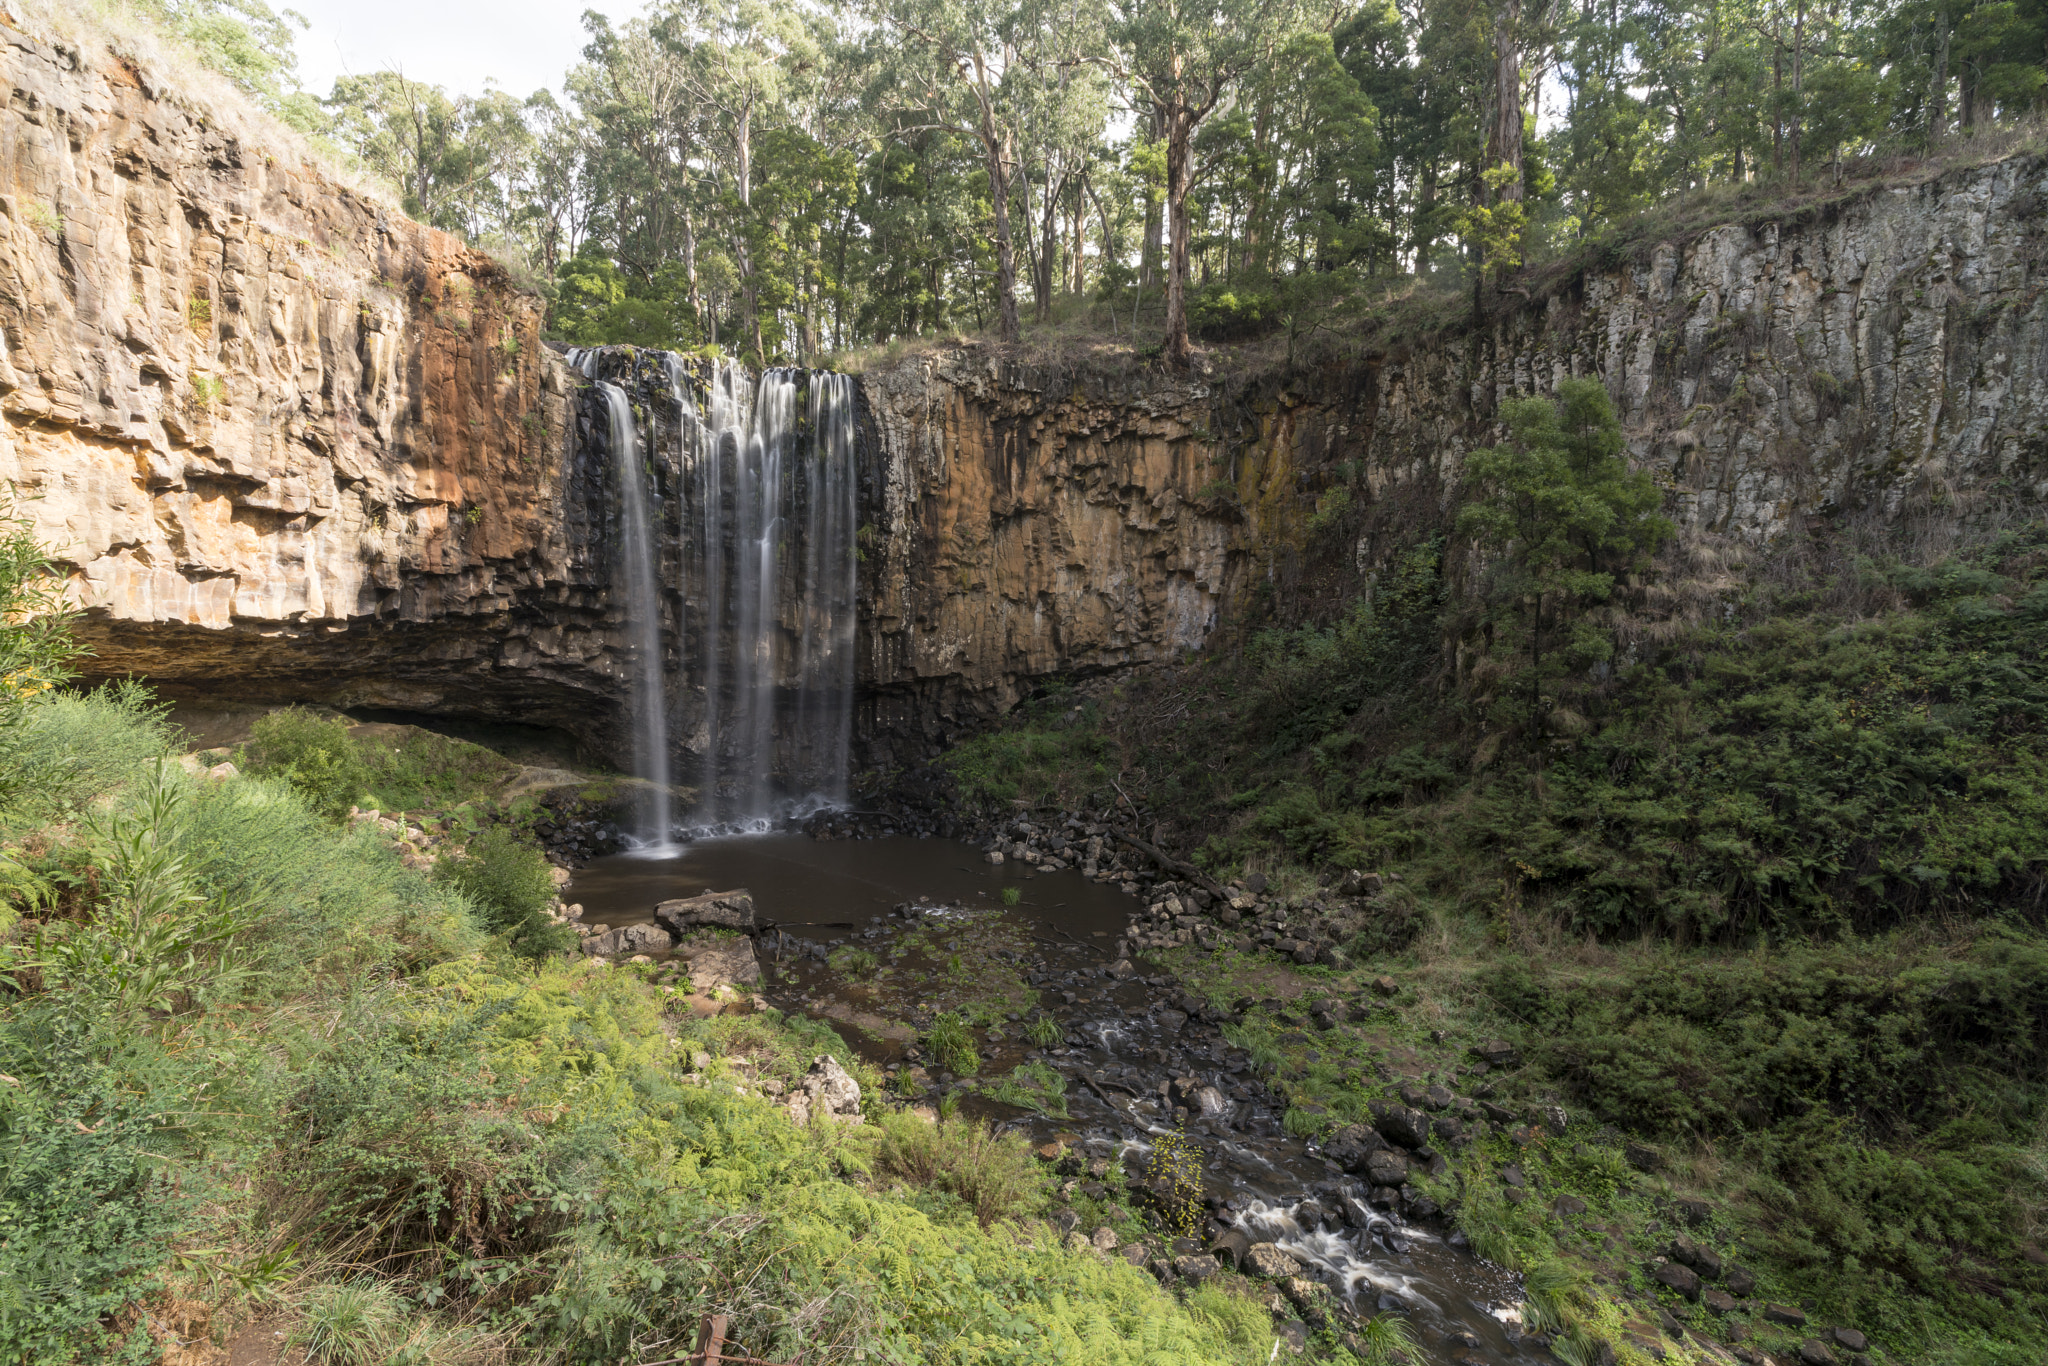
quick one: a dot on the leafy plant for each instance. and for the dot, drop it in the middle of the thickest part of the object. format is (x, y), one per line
(1033, 1086)
(1177, 1160)
(951, 1045)
(314, 753)
(1044, 1031)
(1562, 515)
(511, 884)
(353, 1323)
(993, 1174)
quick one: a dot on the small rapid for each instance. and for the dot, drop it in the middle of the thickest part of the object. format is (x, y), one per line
(878, 936)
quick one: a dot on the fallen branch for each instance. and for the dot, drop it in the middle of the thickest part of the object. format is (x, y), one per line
(1174, 865)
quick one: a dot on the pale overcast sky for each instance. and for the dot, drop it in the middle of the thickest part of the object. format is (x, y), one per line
(521, 44)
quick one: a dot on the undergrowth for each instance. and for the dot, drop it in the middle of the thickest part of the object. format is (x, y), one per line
(252, 1059)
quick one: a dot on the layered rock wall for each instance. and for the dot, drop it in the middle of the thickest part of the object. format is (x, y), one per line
(287, 442)
(1885, 355)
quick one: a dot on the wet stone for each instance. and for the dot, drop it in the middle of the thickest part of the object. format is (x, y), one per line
(1266, 1259)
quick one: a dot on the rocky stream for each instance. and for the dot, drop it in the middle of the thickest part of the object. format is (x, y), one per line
(1041, 939)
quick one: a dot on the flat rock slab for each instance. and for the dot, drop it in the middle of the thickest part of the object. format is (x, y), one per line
(721, 969)
(732, 910)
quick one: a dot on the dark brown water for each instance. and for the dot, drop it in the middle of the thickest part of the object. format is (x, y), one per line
(876, 936)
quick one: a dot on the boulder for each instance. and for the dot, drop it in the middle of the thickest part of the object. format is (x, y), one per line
(1386, 1168)
(1349, 1146)
(1719, 1301)
(1230, 1246)
(1403, 1125)
(1495, 1053)
(1356, 883)
(1103, 1239)
(1785, 1314)
(1385, 986)
(1642, 1157)
(1197, 1267)
(628, 939)
(1209, 1103)
(1740, 1280)
(1814, 1352)
(1267, 1260)
(1850, 1340)
(825, 1092)
(732, 910)
(1681, 1278)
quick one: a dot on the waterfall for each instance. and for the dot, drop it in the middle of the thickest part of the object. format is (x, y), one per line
(767, 594)
(639, 557)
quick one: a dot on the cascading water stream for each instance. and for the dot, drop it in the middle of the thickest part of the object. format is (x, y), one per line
(766, 598)
(639, 557)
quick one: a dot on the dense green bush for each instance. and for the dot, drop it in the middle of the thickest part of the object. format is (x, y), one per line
(312, 752)
(88, 1204)
(1880, 1097)
(511, 884)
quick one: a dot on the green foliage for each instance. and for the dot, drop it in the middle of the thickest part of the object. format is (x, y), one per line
(36, 644)
(952, 1045)
(88, 1206)
(1012, 895)
(349, 1324)
(426, 771)
(1177, 1160)
(1044, 1031)
(1053, 757)
(1562, 515)
(1032, 1086)
(1880, 1097)
(510, 883)
(994, 1175)
(70, 747)
(1220, 313)
(313, 753)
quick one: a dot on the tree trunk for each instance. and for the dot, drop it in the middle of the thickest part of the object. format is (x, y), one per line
(1968, 106)
(1078, 222)
(1505, 144)
(1937, 97)
(1148, 258)
(1180, 137)
(1798, 80)
(750, 291)
(1777, 98)
(1425, 224)
(1006, 248)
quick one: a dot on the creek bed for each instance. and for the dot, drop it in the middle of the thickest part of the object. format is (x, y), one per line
(878, 936)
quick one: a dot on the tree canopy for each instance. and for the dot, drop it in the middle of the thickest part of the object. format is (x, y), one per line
(787, 180)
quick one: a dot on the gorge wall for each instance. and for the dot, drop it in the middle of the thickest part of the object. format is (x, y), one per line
(289, 444)
(1883, 357)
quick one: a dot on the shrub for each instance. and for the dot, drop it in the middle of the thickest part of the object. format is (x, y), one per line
(350, 1324)
(1220, 313)
(72, 747)
(993, 1174)
(951, 1045)
(88, 1205)
(314, 753)
(511, 884)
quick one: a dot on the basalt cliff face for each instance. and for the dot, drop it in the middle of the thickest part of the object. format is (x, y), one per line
(1884, 357)
(291, 445)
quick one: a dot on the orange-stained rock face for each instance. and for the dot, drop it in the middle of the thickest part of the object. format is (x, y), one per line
(286, 441)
